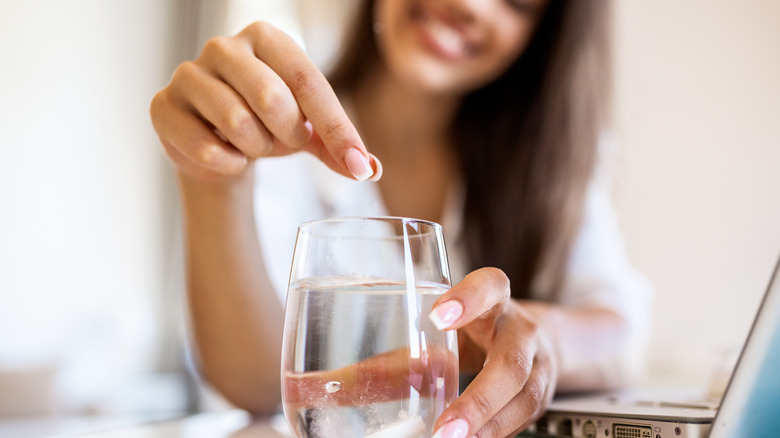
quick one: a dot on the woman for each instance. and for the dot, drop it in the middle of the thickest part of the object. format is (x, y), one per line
(486, 116)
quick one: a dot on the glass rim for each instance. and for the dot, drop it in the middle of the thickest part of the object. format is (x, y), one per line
(400, 219)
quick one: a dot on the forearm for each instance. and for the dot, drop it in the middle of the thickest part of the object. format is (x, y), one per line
(235, 316)
(593, 346)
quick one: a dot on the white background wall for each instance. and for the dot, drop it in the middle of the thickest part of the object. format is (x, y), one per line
(698, 107)
(87, 205)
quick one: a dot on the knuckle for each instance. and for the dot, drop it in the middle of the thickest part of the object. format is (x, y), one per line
(304, 83)
(185, 70)
(215, 46)
(183, 77)
(501, 279)
(271, 100)
(237, 123)
(260, 30)
(535, 392)
(518, 366)
(499, 275)
(159, 110)
(158, 103)
(207, 155)
(532, 326)
(334, 129)
(482, 405)
(492, 428)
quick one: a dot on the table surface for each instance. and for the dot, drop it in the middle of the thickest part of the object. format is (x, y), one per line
(227, 424)
(233, 423)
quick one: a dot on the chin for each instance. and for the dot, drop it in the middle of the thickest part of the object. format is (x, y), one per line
(426, 77)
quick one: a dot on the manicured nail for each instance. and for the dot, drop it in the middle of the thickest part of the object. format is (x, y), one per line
(456, 428)
(377, 166)
(445, 314)
(358, 165)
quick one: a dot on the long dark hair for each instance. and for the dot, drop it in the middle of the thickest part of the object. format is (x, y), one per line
(526, 143)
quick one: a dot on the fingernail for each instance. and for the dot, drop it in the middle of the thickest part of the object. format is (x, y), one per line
(377, 168)
(445, 314)
(358, 165)
(456, 428)
(309, 129)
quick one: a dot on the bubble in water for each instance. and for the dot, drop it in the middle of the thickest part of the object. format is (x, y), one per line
(332, 387)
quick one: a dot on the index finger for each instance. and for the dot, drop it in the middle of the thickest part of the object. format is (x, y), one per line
(314, 95)
(480, 295)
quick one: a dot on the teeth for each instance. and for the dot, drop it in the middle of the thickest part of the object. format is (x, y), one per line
(448, 38)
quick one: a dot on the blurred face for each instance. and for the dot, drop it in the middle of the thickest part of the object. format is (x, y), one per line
(453, 46)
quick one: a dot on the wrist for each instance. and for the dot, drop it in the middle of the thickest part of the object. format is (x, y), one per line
(213, 203)
(218, 186)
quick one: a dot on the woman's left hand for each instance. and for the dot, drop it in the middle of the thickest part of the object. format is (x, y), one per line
(515, 358)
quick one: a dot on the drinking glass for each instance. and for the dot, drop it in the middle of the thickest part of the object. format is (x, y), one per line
(360, 358)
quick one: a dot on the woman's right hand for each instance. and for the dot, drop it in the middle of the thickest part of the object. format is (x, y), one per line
(255, 94)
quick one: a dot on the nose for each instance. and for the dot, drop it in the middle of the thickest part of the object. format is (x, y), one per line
(469, 11)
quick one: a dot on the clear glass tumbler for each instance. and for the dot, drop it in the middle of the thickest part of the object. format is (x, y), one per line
(360, 358)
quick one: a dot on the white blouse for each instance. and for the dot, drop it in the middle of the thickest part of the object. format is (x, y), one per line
(298, 188)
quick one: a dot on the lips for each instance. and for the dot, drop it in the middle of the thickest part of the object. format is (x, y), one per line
(441, 35)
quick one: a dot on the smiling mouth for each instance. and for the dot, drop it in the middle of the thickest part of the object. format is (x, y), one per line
(440, 36)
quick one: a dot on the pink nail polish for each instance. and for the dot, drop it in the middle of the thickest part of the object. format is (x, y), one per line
(446, 314)
(358, 165)
(456, 428)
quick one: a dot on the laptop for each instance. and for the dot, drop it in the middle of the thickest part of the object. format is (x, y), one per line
(750, 406)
